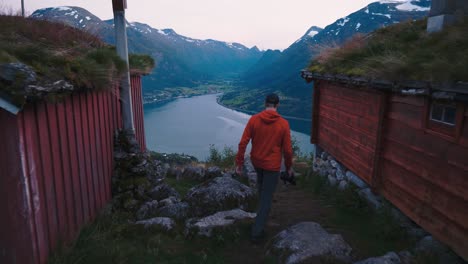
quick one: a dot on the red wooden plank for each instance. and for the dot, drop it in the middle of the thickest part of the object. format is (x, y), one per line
(57, 164)
(366, 126)
(47, 170)
(352, 108)
(92, 154)
(16, 233)
(109, 140)
(437, 224)
(103, 147)
(359, 96)
(25, 190)
(407, 99)
(351, 133)
(85, 115)
(74, 164)
(436, 171)
(97, 149)
(435, 198)
(79, 128)
(67, 176)
(119, 110)
(37, 181)
(407, 114)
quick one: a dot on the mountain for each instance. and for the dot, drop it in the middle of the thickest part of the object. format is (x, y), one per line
(180, 60)
(280, 71)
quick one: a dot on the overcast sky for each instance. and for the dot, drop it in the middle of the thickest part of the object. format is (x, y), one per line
(268, 24)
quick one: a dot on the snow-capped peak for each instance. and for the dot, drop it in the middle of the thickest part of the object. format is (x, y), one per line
(405, 5)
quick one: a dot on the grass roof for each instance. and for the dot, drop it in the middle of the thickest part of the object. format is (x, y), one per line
(59, 52)
(401, 52)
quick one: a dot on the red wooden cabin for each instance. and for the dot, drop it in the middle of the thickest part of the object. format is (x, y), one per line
(409, 142)
(56, 164)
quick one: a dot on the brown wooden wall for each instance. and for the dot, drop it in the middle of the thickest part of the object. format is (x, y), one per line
(425, 174)
(348, 126)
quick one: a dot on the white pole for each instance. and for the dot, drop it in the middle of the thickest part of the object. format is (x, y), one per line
(22, 7)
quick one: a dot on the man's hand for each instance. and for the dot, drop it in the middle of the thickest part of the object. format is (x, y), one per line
(239, 170)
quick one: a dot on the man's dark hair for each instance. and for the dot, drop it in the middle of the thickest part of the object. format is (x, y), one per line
(272, 99)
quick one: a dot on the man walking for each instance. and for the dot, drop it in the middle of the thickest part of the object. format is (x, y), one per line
(271, 140)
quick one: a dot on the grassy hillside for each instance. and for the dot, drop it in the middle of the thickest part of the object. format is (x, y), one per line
(402, 52)
(58, 52)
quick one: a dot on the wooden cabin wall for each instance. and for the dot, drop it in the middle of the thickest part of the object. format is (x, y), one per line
(348, 126)
(426, 174)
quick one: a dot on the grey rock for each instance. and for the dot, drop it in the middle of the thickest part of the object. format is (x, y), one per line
(213, 172)
(355, 180)
(405, 256)
(370, 197)
(340, 174)
(164, 223)
(205, 226)
(147, 210)
(220, 194)
(169, 201)
(177, 211)
(174, 172)
(333, 163)
(252, 179)
(324, 155)
(332, 180)
(389, 258)
(343, 185)
(162, 192)
(17, 72)
(58, 86)
(306, 241)
(193, 173)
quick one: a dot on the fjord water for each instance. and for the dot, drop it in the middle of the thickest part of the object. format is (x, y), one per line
(190, 125)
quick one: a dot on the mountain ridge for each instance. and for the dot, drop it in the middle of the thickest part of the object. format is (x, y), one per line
(181, 60)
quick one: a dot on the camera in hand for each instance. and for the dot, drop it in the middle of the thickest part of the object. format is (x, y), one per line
(288, 179)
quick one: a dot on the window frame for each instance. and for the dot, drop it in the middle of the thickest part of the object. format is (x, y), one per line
(447, 131)
(444, 107)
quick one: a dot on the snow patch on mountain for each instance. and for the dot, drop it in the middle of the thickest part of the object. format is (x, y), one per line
(343, 21)
(406, 5)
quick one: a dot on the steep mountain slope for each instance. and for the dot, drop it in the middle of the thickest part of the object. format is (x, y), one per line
(181, 61)
(283, 73)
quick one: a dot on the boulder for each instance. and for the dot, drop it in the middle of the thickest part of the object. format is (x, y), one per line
(371, 198)
(389, 258)
(178, 211)
(169, 201)
(213, 172)
(196, 173)
(332, 180)
(162, 192)
(147, 210)
(17, 73)
(306, 242)
(343, 185)
(220, 220)
(164, 223)
(220, 194)
(355, 180)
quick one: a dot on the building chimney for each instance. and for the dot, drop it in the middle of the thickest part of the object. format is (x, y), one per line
(445, 12)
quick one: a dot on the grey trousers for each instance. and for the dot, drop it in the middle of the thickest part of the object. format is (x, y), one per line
(266, 184)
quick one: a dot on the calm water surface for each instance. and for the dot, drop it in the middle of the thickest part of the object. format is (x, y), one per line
(190, 125)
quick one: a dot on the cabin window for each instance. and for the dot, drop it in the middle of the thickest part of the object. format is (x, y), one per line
(444, 113)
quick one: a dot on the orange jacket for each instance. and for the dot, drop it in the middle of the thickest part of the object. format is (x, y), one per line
(271, 139)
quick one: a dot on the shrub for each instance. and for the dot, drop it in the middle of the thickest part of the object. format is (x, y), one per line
(224, 159)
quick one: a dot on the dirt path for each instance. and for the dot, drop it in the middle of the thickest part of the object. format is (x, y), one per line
(291, 205)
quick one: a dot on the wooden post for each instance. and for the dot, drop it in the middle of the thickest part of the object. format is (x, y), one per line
(22, 8)
(119, 7)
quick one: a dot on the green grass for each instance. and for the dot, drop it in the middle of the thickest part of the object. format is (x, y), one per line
(224, 159)
(369, 232)
(111, 239)
(182, 187)
(56, 52)
(401, 52)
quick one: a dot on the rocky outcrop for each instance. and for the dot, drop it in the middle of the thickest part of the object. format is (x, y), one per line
(194, 173)
(178, 211)
(389, 258)
(163, 191)
(220, 194)
(164, 223)
(308, 241)
(147, 210)
(206, 225)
